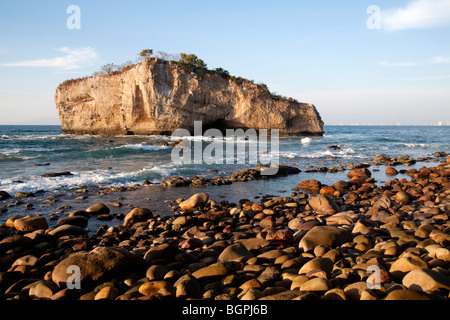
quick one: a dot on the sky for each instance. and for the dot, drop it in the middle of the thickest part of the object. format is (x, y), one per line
(357, 61)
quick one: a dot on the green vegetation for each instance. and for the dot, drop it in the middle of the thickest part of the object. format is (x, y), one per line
(190, 62)
(146, 53)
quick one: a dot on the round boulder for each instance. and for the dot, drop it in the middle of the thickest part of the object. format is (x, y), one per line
(197, 200)
(30, 223)
(137, 215)
(324, 236)
(99, 264)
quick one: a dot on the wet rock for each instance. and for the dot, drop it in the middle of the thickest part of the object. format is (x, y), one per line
(4, 195)
(79, 221)
(390, 171)
(401, 197)
(323, 204)
(137, 215)
(197, 200)
(361, 173)
(312, 186)
(67, 229)
(14, 241)
(98, 209)
(30, 223)
(56, 174)
(21, 195)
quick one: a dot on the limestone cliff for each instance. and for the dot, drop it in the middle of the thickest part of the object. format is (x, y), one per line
(157, 97)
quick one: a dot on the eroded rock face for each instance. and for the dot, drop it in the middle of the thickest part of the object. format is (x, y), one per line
(158, 97)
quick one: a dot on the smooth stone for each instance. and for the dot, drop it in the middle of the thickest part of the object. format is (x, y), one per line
(353, 291)
(285, 295)
(197, 200)
(251, 295)
(27, 260)
(180, 221)
(137, 215)
(406, 294)
(98, 208)
(79, 221)
(235, 252)
(97, 264)
(152, 288)
(107, 293)
(30, 223)
(316, 284)
(156, 272)
(21, 195)
(211, 273)
(254, 243)
(162, 251)
(67, 229)
(324, 236)
(406, 264)
(188, 287)
(321, 263)
(323, 204)
(334, 294)
(43, 290)
(424, 279)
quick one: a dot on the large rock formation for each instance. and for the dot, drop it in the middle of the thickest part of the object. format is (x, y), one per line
(158, 96)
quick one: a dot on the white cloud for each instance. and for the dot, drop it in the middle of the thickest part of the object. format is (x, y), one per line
(419, 14)
(398, 64)
(74, 58)
(441, 59)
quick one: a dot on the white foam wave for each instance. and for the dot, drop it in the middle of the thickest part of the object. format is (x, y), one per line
(87, 178)
(415, 145)
(145, 147)
(306, 141)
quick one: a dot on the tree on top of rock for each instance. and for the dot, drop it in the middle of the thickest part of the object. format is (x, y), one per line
(146, 53)
(191, 62)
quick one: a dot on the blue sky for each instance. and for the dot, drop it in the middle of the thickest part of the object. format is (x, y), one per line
(321, 51)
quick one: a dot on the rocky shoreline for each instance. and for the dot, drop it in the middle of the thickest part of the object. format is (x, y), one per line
(352, 240)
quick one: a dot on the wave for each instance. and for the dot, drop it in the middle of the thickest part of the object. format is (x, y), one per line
(99, 177)
(414, 145)
(144, 147)
(306, 141)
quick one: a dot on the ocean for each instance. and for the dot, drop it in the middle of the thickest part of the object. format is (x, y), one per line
(27, 152)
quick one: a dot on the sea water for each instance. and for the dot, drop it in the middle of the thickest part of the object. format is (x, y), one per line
(27, 152)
